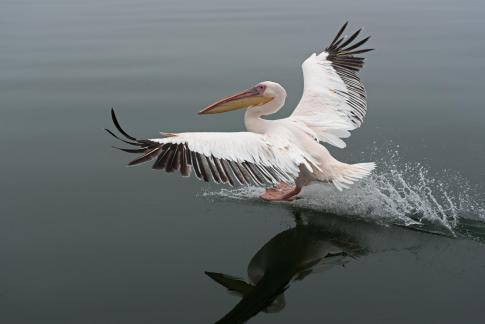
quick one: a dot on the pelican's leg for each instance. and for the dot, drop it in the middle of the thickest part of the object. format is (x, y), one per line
(282, 191)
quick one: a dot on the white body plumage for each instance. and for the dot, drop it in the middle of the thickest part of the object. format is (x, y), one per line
(287, 150)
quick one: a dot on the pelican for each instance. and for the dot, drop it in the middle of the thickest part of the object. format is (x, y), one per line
(286, 153)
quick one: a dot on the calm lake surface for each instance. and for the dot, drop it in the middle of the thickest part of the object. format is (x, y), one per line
(83, 239)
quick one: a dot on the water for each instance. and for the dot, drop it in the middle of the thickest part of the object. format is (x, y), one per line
(84, 239)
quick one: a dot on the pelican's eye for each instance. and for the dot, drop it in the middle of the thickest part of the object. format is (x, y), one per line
(261, 88)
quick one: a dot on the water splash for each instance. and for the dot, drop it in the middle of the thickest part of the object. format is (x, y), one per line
(398, 193)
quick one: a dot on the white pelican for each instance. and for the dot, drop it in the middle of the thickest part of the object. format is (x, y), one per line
(286, 152)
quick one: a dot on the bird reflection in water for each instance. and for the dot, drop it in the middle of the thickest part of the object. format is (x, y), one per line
(290, 256)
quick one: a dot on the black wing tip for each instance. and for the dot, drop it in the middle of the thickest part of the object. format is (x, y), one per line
(131, 139)
(128, 150)
(150, 153)
(342, 49)
(145, 147)
(343, 28)
(339, 33)
(133, 163)
(110, 132)
(137, 143)
(359, 52)
(118, 126)
(339, 43)
(113, 117)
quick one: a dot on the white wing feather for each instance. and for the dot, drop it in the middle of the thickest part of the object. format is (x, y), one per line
(223, 156)
(268, 150)
(334, 98)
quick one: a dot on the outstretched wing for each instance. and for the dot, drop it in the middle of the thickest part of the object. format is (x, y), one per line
(334, 98)
(241, 157)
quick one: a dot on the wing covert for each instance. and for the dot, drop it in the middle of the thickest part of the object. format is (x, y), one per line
(234, 157)
(334, 99)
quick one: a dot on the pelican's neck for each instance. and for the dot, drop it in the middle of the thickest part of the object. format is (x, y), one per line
(252, 118)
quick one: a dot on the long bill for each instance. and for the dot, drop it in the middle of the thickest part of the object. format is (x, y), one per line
(247, 98)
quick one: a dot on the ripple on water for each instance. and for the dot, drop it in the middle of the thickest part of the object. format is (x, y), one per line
(398, 193)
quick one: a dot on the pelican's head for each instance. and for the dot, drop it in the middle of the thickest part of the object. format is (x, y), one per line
(257, 96)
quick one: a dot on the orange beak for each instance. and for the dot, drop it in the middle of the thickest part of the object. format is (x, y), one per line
(247, 98)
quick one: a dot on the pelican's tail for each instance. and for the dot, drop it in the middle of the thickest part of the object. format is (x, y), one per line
(347, 174)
